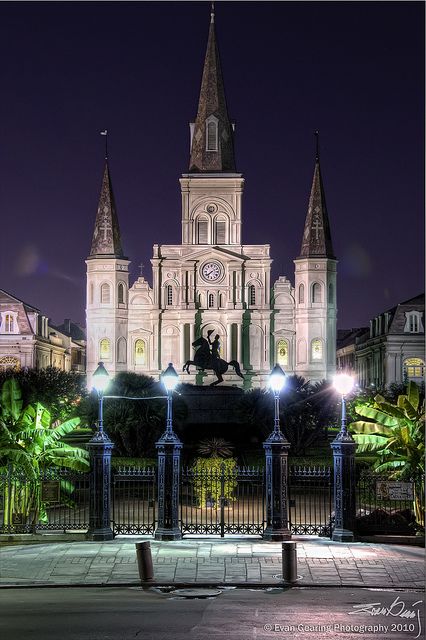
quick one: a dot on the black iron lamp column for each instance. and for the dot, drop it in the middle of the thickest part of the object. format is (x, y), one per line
(344, 447)
(100, 449)
(168, 447)
(276, 453)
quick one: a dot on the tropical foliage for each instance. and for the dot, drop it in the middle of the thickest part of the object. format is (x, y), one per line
(215, 448)
(395, 433)
(30, 444)
(214, 477)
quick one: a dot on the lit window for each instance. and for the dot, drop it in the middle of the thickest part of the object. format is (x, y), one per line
(105, 349)
(211, 136)
(120, 293)
(9, 323)
(282, 352)
(316, 292)
(9, 362)
(252, 294)
(169, 294)
(301, 294)
(140, 352)
(414, 368)
(316, 349)
(202, 231)
(220, 232)
(105, 294)
(211, 300)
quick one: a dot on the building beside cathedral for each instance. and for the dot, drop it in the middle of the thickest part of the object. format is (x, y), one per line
(211, 280)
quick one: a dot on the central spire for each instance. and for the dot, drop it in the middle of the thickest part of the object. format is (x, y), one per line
(212, 143)
(106, 239)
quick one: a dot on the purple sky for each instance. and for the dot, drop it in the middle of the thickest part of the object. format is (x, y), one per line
(353, 70)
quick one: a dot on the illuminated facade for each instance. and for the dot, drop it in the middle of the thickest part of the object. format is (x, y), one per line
(211, 280)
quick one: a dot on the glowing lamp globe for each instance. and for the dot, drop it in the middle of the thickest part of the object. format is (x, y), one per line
(170, 378)
(277, 379)
(100, 378)
(343, 383)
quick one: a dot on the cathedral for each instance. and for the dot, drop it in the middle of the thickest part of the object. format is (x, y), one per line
(211, 283)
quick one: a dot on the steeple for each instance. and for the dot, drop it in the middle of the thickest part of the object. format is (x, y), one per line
(316, 242)
(212, 143)
(106, 236)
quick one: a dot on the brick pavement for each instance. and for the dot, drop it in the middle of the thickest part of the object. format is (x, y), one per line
(241, 561)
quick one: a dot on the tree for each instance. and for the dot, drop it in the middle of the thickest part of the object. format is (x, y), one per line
(29, 445)
(395, 433)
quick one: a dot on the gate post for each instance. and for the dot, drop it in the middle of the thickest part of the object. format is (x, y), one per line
(276, 455)
(168, 488)
(344, 447)
(100, 450)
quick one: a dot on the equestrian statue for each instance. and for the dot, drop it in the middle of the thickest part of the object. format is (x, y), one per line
(207, 356)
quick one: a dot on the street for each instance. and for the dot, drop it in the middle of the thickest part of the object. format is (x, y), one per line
(238, 614)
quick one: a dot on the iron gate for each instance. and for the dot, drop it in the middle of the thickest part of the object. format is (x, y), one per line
(219, 501)
(134, 501)
(310, 499)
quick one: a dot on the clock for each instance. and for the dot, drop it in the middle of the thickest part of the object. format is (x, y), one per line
(211, 271)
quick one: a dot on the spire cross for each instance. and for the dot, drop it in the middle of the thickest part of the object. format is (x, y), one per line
(316, 227)
(212, 13)
(105, 133)
(317, 145)
(105, 227)
(141, 266)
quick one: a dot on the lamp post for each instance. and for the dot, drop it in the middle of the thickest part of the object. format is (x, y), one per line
(344, 447)
(100, 449)
(168, 448)
(276, 456)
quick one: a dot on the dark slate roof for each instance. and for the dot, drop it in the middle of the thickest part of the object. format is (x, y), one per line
(72, 329)
(316, 242)
(106, 236)
(5, 296)
(345, 337)
(212, 102)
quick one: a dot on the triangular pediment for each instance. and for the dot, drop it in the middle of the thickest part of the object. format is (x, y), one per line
(219, 253)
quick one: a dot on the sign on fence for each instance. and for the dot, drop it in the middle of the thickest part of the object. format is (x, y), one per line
(387, 490)
(50, 491)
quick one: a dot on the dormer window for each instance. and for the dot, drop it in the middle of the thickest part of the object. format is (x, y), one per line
(413, 322)
(9, 322)
(212, 134)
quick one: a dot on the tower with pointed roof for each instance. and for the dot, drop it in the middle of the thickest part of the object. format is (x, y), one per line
(315, 289)
(107, 287)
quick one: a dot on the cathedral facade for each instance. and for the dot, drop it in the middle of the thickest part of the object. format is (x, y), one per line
(211, 281)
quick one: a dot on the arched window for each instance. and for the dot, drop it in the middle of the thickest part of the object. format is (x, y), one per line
(330, 293)
(202, 231)
(105, 293)
(414, 368)
(105, 349)
(140, 352)
(211, 300)
(169, 294)
(120, 293)
(282, 352)
(211, 135)
(316, 292)
(9, 323)
(301, 293)
(316, 349)
(9, 362)
(121, 350)
(252, 294)
(220, 232)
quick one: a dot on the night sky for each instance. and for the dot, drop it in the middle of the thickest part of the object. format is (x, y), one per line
(353, 70)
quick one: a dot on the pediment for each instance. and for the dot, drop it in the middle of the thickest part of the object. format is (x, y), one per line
(200, 254)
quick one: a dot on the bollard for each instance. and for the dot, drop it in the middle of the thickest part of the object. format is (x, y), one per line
(289, 560)
(144, 558)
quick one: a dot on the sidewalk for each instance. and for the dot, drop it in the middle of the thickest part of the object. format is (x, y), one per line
(229, 561)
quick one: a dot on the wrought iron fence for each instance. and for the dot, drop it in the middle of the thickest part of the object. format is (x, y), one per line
(310, 498)
(58, 500)
(134, 501)
(385, 506)
(220, 501)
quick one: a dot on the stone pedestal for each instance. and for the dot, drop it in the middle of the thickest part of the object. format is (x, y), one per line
(344, 448)
(276, 454)
(100, 450)
(169, 447)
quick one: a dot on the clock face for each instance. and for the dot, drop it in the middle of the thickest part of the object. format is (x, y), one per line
(211, 271)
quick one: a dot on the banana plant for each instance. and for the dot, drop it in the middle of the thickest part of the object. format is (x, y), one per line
(29, 445)
(395, 433)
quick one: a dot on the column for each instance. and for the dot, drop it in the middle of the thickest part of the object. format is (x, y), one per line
(239, 346)
(228, 342)
(182, 344)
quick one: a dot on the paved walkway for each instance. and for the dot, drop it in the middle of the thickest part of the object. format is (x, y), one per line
(229, 561)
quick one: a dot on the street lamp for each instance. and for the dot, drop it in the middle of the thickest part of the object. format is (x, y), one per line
(170, 380)
(100, 383)
(343, 383)
(276, 382)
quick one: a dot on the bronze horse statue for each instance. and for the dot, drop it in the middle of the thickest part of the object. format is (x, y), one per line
(203, 360)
